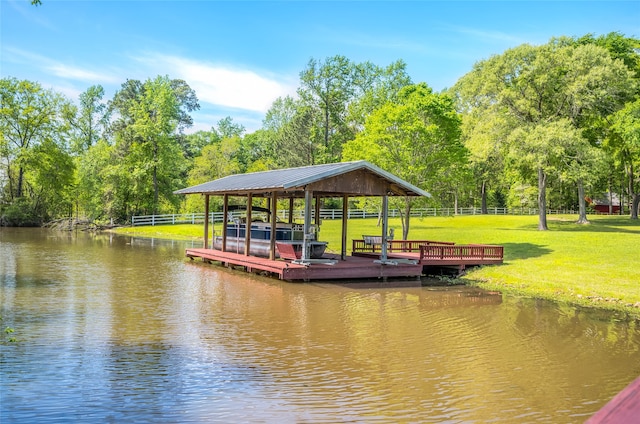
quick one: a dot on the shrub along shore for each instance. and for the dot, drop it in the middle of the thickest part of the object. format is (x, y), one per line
(592, 265)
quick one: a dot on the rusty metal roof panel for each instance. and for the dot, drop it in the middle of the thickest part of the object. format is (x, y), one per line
(292, 178)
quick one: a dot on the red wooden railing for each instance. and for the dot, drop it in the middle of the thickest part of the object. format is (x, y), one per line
(374, 244)
(461, 252)
(433, 251)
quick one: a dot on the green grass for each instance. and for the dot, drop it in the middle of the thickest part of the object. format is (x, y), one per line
(592, 265)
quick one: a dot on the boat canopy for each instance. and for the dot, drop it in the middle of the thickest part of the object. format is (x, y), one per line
(359, 178)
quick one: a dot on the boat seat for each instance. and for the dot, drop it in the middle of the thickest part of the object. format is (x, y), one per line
(288, 251)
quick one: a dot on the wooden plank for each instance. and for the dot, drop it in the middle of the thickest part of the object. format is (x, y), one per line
(351, 268)
(623, 408)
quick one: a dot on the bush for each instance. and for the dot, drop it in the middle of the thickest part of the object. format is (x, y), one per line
(20, 213)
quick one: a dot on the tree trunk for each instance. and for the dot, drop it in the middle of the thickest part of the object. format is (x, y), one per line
(582, 206)
(542, 200)
(20, 182)
(455, 203)
(610, 198)
(635, 197)
(155, 190)
(405, 219)
(483, 206)
(155, 178)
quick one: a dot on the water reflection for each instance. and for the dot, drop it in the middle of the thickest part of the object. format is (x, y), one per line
(121, 329)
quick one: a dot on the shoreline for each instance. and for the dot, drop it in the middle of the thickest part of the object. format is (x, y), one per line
(558, 265)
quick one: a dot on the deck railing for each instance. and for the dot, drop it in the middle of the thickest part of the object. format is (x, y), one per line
(372, 244)
(461, 252)
(433, 251)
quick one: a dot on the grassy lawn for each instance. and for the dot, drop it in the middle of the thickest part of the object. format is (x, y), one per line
(590, 265)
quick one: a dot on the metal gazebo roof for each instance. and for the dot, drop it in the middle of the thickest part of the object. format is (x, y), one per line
(359, 178)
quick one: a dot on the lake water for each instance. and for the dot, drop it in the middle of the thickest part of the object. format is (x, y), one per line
(120, 329)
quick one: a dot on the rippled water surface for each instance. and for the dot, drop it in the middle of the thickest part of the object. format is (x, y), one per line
(117, 329)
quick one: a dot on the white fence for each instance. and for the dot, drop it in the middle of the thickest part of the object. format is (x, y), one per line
(283, 215)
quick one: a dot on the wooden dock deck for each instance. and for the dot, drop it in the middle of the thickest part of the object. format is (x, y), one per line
(433, 253)
(406, 259)
(352, 267)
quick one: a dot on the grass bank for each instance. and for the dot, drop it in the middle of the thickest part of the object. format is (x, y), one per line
(593, 265)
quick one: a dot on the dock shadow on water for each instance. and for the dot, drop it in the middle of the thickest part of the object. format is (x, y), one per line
(120, 329)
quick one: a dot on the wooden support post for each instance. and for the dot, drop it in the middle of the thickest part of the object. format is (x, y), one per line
(316, 213)
(274, 224)
(385, 225)
(206, 221)
(345, 213)
(247, 227)
(290, 210)
(306, 239)
(225, 218)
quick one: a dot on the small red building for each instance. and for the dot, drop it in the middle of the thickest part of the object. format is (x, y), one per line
(601, 204)
(604, 209)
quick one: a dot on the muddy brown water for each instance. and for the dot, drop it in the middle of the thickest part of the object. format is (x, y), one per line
(121, 329)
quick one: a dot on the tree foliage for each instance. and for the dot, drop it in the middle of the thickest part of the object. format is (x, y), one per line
(36, 167)
(416, 138)
(539, 89)
(562, 117)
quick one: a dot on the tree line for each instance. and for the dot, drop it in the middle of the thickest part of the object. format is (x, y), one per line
(536, 126)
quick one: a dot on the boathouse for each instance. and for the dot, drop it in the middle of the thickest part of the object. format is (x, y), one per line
(292, 251)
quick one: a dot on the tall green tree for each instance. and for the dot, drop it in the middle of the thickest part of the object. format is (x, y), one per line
(216, 160)
(537, 86)
(89, 120)
(624, 142)
(416, 138)
(34, 150)
(148, 155)
(607, 131)
(484, 134)
(327, 88)
(373, 87)
(289, 129)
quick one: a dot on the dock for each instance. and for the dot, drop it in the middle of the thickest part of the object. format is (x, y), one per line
(351, 267)
(292, 251)
(432, 254)
(405, 259)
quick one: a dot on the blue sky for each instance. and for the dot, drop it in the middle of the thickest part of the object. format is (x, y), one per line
(239, 56)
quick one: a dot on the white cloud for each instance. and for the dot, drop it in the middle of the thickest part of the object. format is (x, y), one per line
(78, 74)
(56, 68)
(222, 86)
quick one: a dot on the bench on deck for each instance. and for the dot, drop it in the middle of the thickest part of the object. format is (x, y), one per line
(373, 242)
(288, 251)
